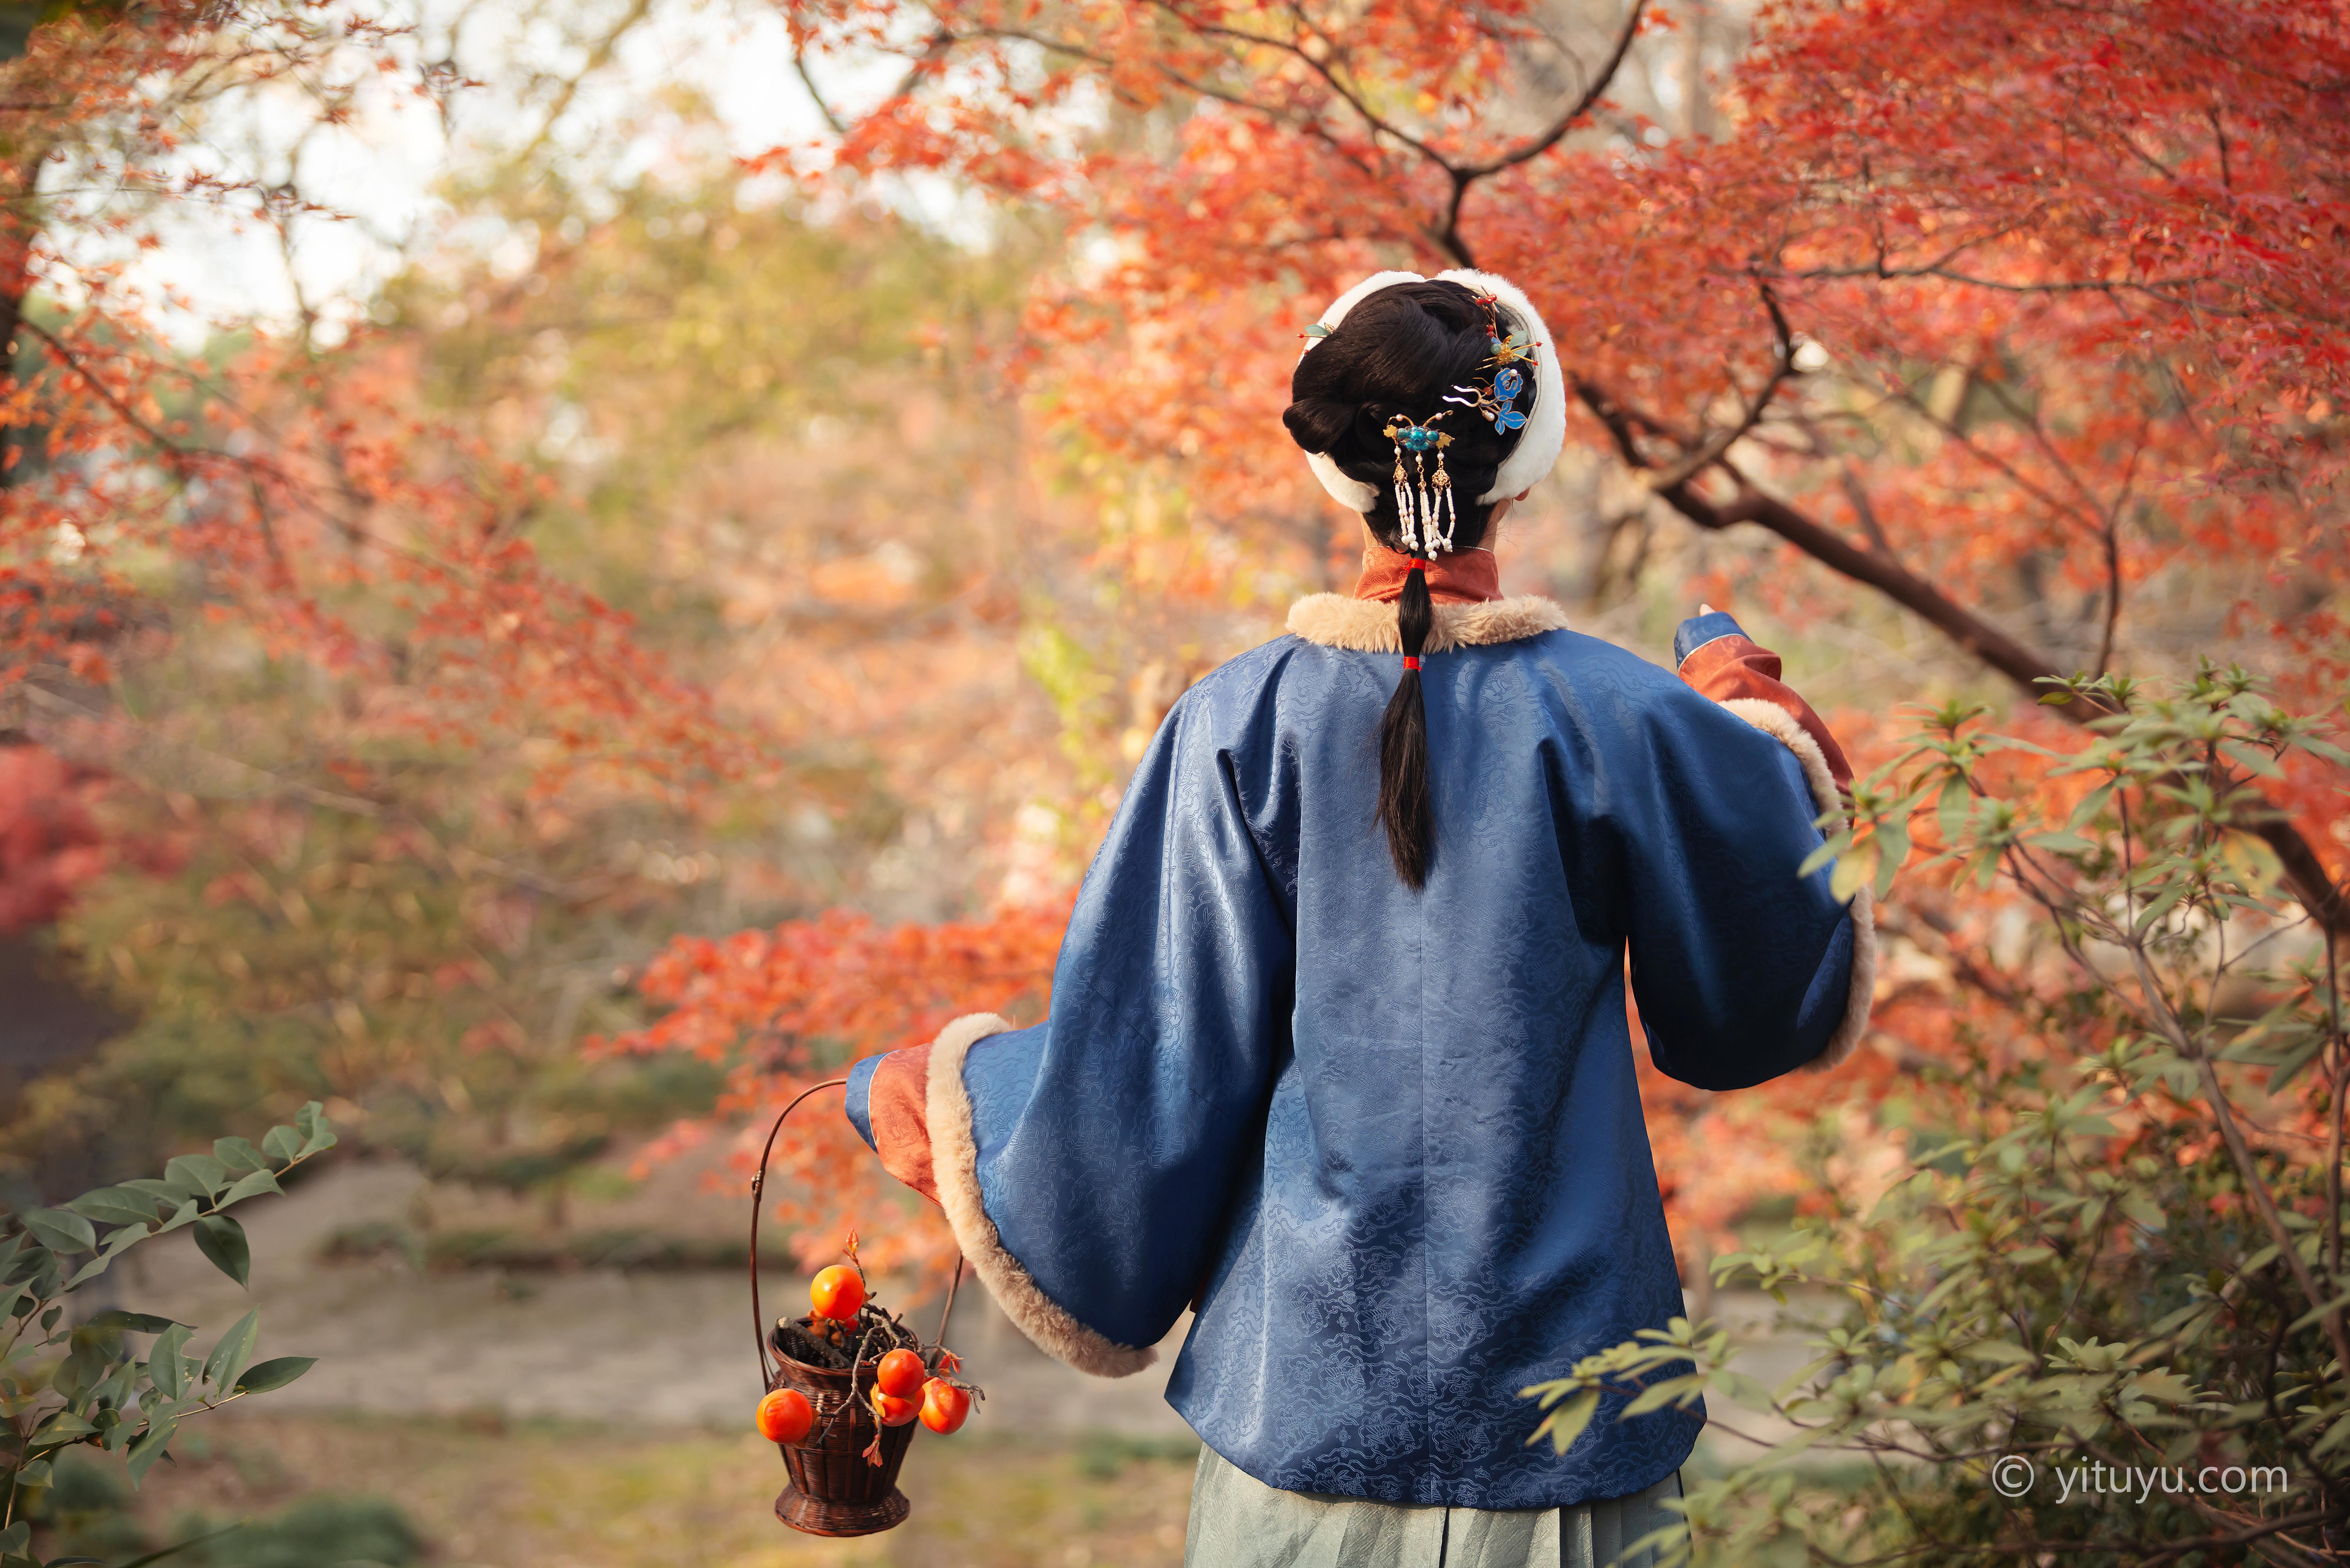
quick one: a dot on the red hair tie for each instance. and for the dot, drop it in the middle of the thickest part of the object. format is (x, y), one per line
(1420, 565)
(1412, 662)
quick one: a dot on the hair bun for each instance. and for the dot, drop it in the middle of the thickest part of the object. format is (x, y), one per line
(1318, 424)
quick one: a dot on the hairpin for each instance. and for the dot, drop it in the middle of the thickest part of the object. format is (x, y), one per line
(1516, 349)
(1418, 500)
(1496, 399)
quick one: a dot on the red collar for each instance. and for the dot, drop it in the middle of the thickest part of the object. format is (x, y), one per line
(1466, 577)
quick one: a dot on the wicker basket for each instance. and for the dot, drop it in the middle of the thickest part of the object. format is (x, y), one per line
(834, 1489)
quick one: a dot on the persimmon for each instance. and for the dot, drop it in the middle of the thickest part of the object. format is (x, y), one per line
(902, 1375)
(785, 1415)
(838, 1292)
(891, 1410)
(945, 1406)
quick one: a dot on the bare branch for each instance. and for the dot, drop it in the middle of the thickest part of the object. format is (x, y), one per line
(800, 63)
(1550, 138)
(1711, 451)
(2304, 871)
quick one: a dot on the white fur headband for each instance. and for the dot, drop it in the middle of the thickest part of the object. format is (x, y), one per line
(1546, 433)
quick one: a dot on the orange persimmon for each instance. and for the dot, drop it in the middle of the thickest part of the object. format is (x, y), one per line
(785, 1415)
(945, 1406)
(891, 1410)
(838, 1292)
(900, 1375)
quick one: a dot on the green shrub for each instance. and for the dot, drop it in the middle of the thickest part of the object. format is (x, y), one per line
(86, 1511)
(326, 1530)
(2116, 1250)
(66, 1384)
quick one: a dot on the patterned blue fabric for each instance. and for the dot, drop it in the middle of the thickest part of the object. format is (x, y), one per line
(1700, 629)
(1396, 1136)
(860, 1096)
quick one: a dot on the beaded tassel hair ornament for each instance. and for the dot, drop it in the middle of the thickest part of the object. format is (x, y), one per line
(1420, 500)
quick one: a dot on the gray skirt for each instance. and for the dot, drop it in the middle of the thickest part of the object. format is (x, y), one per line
(1238, 1522)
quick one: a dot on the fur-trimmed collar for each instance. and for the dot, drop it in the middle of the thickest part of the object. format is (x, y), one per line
(1369, 625)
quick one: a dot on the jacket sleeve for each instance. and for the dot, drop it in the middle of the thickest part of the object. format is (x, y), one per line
(1086, 1163)
(1742, 968)
(1720, 662)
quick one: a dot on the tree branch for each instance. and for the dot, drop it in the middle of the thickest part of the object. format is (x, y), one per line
(1714, 447)
(2304, 871)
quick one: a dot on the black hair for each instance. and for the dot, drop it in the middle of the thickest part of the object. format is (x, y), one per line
(1401, 350)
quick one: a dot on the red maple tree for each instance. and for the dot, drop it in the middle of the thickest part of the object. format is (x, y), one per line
(1947, 288)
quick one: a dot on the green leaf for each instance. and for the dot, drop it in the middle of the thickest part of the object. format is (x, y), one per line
(15, 1538)
(34, 1474)
(226, 1364)
(1566, 1424)
(275, 1374)
(1663, 1392)
(2250, 758)
(2168, 1387)
(2091, 804)
(247, 1186)
(2316, 1312)
(2333, 1439)
(238, 1155)
(283, 1143)
(196, 1175)
(61, 1230)
(62, 1427)
(149, 1446)
(1950, 811)
(222, 1239)
(2161, 903)
(2325, 749)
(91, 1271)
(1854, 872)
(318, 1135)
(115, 1206)
(1893, 851)
(165, 1366)
(131, 1321)
(184, 1215)
(125, 1238)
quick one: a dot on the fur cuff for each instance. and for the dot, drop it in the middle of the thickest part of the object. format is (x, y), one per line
(1369, 625)
(1773, 719)
(954, 1153)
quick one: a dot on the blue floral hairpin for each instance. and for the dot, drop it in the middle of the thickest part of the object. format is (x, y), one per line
(1497, 398)
(1497, 401)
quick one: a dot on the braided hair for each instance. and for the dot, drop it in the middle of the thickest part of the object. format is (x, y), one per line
(1398, 352)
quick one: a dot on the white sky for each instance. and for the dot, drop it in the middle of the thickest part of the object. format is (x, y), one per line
(383, 170)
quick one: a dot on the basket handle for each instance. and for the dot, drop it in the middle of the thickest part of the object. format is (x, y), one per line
(758, 1185)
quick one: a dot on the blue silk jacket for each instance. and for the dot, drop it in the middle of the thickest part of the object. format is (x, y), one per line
(1390, 1141)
